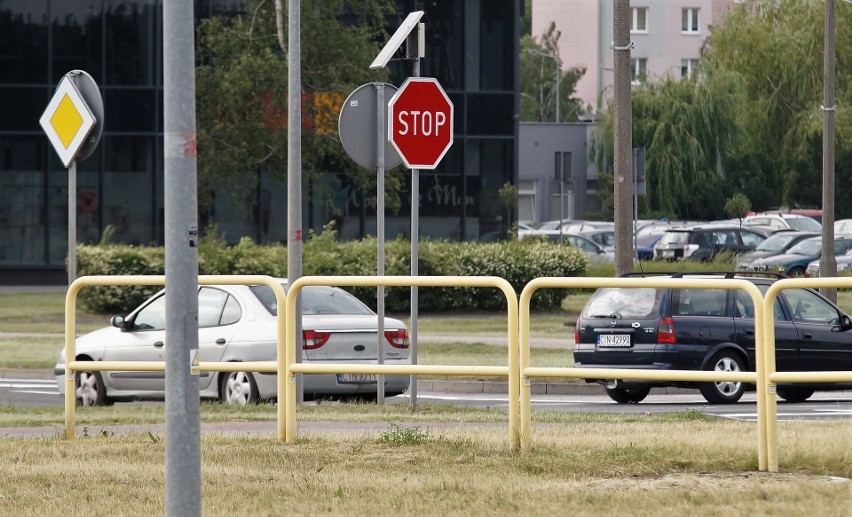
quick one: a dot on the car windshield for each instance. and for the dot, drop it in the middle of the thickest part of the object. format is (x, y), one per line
(777, 242)
(315, 300)
(807, 247)
(616, 303)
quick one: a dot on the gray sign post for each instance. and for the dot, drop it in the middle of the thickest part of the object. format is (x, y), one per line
(362, 131)
(183, 419)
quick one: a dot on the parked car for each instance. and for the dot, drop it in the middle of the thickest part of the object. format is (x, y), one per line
(795, 261)
(238, 323)
(705, 241)
(784, 221)
(645, 245)
(595, 252)
(775, 244)
(842, 226)
(708, 329)
(844, 265)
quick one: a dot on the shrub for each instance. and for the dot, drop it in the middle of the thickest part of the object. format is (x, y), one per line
(517, 262)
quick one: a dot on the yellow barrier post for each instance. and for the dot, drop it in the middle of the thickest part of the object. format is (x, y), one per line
(600, 373)
(511, 371)
(773, 377)
(72, 365)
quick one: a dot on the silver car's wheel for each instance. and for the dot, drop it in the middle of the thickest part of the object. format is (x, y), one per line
(238, 388)
(89, 389)
(726, 392)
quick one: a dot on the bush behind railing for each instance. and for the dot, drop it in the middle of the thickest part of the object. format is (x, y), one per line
(518, 262)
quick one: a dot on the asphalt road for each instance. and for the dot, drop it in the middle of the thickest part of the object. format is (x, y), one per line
(40, 391)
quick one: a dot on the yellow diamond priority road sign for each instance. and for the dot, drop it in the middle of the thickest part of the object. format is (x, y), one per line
(67, 121)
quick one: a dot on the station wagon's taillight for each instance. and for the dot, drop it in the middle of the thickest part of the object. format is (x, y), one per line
(311, 339)
(666, 331)
(577, 332)
(397, 338)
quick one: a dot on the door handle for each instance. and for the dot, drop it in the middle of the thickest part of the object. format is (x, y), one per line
(807, 335)
(749, 332)
(158, 344)
(220, 341)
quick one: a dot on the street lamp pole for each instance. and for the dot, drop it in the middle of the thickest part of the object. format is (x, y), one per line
(558, 76)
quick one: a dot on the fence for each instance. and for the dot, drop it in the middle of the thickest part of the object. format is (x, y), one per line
(72, 365)
(510, 371)
(518, 371)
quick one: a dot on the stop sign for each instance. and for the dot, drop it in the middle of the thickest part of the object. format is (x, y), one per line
(420, 122)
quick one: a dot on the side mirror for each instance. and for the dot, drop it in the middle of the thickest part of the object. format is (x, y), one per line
(845, 322)
(118, 322)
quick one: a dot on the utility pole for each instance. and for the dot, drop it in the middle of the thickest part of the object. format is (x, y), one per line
(183, 419)
(827, 262)
(622, 139)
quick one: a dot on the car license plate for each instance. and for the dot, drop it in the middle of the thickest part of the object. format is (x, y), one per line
(356, 378)
(668, 253)
(614, 340)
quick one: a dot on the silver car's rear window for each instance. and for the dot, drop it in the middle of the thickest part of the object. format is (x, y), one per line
(620, 302)
(315, 300)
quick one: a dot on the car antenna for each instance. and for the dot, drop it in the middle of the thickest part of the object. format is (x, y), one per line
(641, 269)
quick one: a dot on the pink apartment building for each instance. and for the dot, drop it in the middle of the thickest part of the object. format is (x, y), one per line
(667, 36)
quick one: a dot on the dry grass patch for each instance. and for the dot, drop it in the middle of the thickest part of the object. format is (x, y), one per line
(590, 468)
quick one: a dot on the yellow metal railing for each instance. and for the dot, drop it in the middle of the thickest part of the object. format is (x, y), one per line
(72, 365)
(510, 371)
(528, 371)
(518, 371)
(772, 377)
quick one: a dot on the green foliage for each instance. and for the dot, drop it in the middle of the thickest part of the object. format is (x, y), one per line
(737, 206)
(242, 92)
(117, 260)
(749, 120)
(688, 129)
(538, 80)
(518, 262)
(399, 435)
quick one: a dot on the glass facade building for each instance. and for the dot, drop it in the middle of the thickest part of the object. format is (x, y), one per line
(472, 49)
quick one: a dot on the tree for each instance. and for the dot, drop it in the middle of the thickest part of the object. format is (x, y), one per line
(689, 130)
(241, 83)
(737, 206)
(538, 72)
(776, 48)
(749, 120)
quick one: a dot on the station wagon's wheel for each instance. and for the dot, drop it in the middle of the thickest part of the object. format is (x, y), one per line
(795, 394)
(726, 392)
(628, 395)
(238, 388)
(89, 389)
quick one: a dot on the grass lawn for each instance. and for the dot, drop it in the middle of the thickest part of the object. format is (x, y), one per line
(425, 462)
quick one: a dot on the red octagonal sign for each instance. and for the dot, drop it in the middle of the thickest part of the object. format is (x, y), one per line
(420, 122)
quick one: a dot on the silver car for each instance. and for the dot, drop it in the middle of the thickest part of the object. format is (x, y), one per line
(238, 323)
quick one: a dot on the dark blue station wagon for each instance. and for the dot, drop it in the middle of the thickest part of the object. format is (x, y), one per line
(708, 329)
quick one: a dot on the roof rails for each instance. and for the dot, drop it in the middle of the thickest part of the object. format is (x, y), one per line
(725, 274)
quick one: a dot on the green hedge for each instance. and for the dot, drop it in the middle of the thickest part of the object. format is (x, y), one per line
(518, 262)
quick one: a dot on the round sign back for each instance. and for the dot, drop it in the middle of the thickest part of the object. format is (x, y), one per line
(358, 127)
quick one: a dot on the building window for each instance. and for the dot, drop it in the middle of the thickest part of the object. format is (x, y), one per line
(687, 67)
(689, 20)
(638, 69)
(639, 20)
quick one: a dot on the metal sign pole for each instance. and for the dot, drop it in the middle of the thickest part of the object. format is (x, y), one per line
(415, 236)
(72, 222)
(381, 136)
